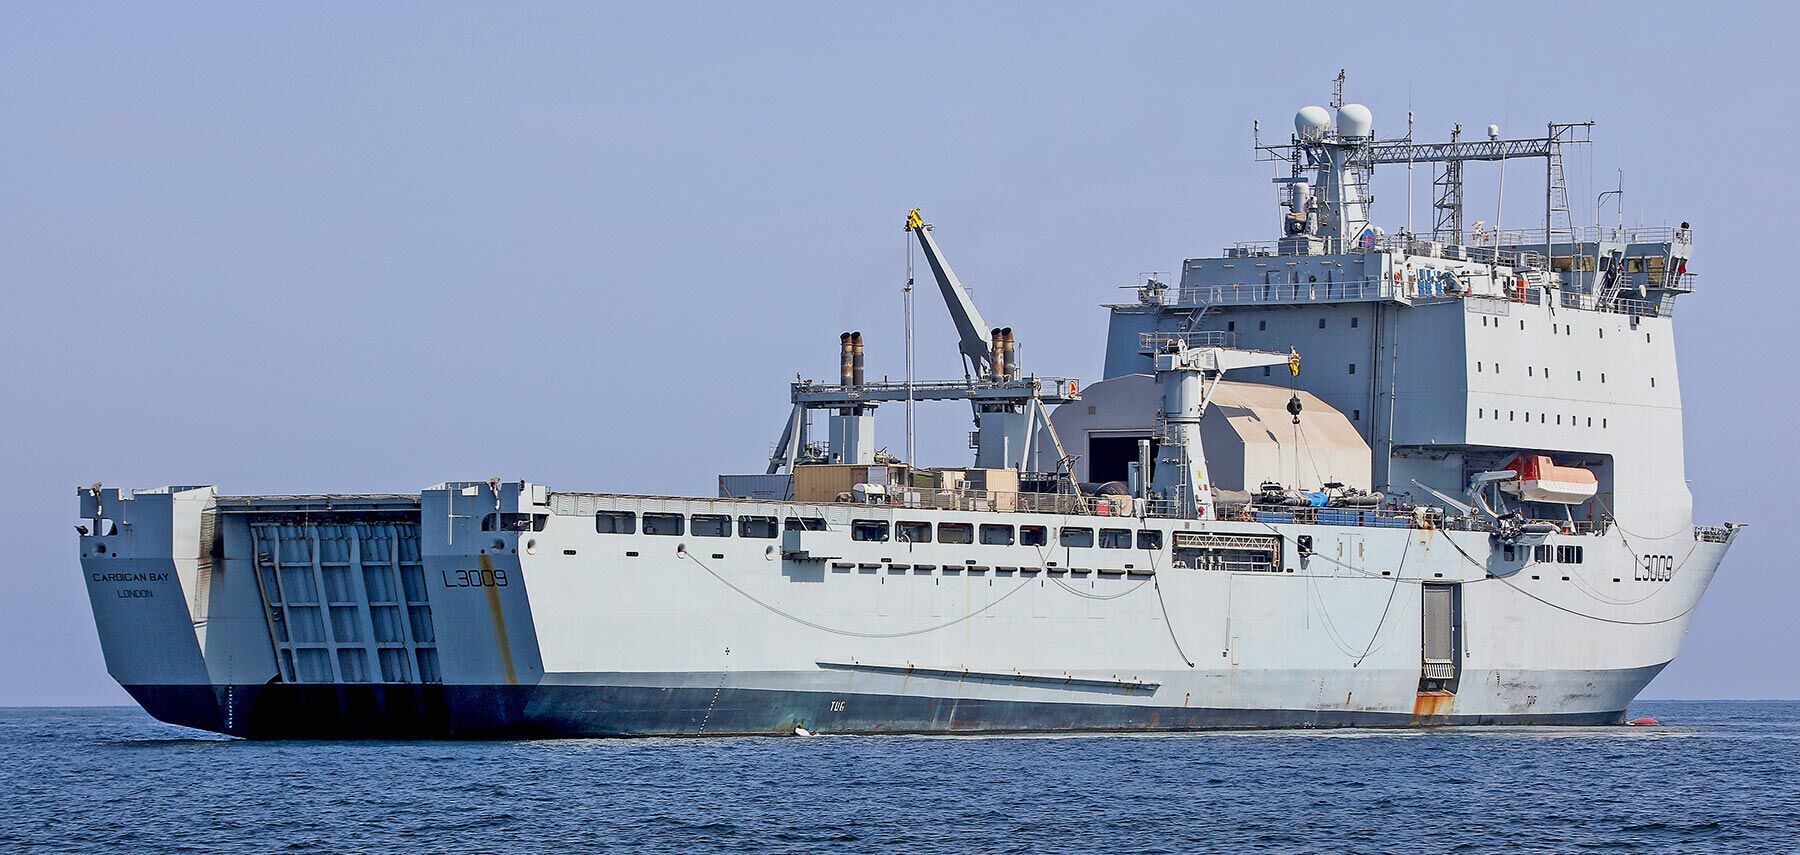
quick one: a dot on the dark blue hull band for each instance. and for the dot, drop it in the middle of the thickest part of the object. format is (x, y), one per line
(387, 711)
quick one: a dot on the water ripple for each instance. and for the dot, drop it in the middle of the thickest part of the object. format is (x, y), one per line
(1719, 779)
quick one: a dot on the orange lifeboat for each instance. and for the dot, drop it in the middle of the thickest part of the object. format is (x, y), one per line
(1541, 480)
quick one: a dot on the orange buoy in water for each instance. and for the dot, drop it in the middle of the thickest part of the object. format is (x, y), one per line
(1644, 721)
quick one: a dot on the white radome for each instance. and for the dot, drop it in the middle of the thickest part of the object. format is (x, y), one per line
(1354, 120)
(1311, 122)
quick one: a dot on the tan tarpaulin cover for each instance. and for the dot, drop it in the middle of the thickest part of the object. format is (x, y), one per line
(1249, 436)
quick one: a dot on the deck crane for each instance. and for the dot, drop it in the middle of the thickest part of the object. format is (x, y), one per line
(1010, 408)
(973, 338)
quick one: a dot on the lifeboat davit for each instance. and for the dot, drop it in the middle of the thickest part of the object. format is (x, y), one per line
(1541, 480)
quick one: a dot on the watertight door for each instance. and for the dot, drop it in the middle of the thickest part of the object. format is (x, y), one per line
(1438, 646)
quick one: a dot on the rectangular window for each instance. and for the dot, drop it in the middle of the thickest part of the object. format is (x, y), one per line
(1033, 535)
(1076, 536)
(956, 533)
(997, 535)
(1150, 539)
(663, 524)
(1262, 325)
(1541, 554)
(711, 525)
(1231, 326)
(1352, 368)
(615, 522)
(1356, 415)
(1265, 370)
(803, 524)
(912, 532)
(1115, 538)
(1353, 322)
(1511, 554)
(875, 530)
(1321, 323)
(757, 527)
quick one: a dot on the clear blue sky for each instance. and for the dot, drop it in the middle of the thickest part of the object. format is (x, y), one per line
(333, 246)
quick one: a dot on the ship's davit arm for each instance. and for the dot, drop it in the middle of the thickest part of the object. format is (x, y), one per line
(971, 329)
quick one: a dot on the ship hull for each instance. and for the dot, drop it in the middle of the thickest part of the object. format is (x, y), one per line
(404, 618)
(671, 709)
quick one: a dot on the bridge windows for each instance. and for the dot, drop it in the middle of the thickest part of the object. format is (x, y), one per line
(803, 524)
(870, 530)
(711, 525)
(757, 527)
(664, 524)
(1150, 538)
(1115, 538)
(996, 535)
(956, 533)
(615, 522)
(1076, 536)
(1033, 535)
(912, 532)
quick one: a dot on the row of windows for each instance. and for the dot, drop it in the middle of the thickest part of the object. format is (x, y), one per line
(1565, 329)
(1532, 371)
(1544, 553)
(1003, 535)
(1231, 326)
(702, 525)
(993, 534)
(1543, 418)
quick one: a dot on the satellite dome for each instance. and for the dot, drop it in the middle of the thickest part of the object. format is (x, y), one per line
(1354, 120)
(1310, 123)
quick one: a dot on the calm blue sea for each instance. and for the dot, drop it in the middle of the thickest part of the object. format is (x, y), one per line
(1719, 776)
